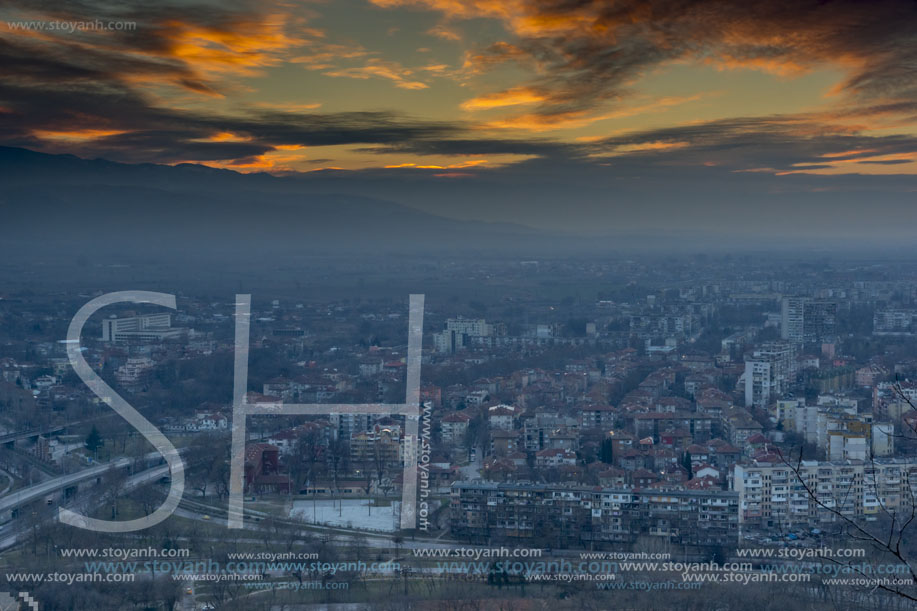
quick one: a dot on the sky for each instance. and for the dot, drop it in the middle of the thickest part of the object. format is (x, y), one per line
(648, 100)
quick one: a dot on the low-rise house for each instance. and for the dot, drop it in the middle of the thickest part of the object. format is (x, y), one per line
(554, 457)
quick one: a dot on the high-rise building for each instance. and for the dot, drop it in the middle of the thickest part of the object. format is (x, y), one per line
(819, 321)
(792, 318)
(458, 332)
(812, 492)
(893, 322)
(149, 327)
(769, 372)
(806, 320)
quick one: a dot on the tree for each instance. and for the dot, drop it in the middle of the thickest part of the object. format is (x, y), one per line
(113, 484)
(686, 463)
(606, 451)
(886, 537)
(206, 455)
(94, 440)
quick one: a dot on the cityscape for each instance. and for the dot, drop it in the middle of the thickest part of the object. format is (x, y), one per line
(458, 305)
(699, 412)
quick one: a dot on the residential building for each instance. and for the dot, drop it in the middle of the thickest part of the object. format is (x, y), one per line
(453, 428)
(769, 372)
(805, 320)
(778, 494)
(146, 328)
(591, 516)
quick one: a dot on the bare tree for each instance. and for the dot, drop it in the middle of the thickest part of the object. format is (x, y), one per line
(113, 485)
(887, 541)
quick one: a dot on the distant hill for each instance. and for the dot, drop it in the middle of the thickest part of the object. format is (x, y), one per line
(57, 201)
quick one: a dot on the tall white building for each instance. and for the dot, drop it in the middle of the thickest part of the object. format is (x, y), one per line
(807, 320)
(792, 318)
(466, 326)
(457, 333)
(149, 327)
(769, 372)
(778, 494)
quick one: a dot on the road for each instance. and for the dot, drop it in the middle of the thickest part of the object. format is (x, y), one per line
(27, 495)
(473, 470)
(12, 532)
(9, 483)
(17, 435)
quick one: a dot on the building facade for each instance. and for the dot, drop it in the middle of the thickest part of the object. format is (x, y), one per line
(591, 516)
(771, 494)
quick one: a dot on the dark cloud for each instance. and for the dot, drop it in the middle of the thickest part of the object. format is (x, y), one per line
(589, 50)
(74, 82)
(586, 52)
(884, 161)
(464, 145)
(784, 143)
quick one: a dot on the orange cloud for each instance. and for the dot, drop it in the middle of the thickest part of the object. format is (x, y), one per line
(658, 145)
(444, 32)
(780, 66)
(228, 137)
(478, 62)
(289, 106)
(76, 135)
(379, 68)
(580, 118)
(452, 166)
(282, 159)
(849, 153)
(240, 48)
(509, 97)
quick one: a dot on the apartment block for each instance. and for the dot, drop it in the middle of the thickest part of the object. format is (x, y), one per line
(807, 320)
(771, 494)
(591, 516)
(769, 372)
(151, 327)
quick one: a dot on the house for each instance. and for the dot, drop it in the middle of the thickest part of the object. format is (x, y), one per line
(285, 441)
(453, 428)
(620, 442)
(702, 483)
(722, 454)
(741, 429)
(431, 393)
(642, 478)
(613, 478)
(705, 470)
(870, 375)
(441, 477)
(500, 417)
(677, 440)
(561, 438)
(554, 457)
(207, 422)
(503, 443)
(597, 417)
(262, 470)
(476, 398)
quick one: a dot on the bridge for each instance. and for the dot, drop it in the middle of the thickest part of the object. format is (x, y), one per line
(11, 501)
(20, 435)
